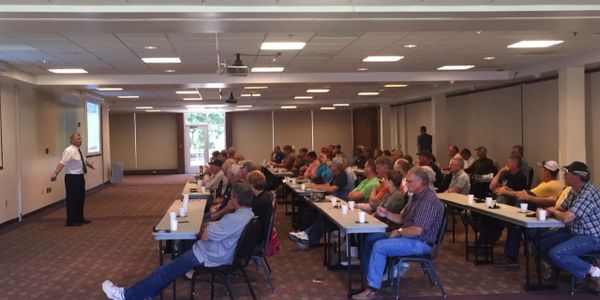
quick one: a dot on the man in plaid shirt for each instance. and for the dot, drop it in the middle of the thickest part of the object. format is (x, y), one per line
(581, 214)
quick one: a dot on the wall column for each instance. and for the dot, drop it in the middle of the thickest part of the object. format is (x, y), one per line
(385, 126)
(571, 115)
(439, 126)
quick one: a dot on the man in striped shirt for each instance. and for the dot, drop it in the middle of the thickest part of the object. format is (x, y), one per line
(421, 220)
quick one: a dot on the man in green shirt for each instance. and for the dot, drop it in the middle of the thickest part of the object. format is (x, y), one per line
(361, 193)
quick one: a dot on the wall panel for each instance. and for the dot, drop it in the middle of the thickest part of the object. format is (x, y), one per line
(293, 128)
(333, 127)
(156, 135)
(252, 134)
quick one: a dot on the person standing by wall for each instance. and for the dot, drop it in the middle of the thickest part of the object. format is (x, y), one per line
(75, 167)
(424, 140)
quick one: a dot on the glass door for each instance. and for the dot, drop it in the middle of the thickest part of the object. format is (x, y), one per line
(197, 147)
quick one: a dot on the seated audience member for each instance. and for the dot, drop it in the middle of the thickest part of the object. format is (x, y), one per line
(248, 167)
(340, 154)
(483, 165)
(382, 166)
(301, 162)
(231, 153)
(217, 177)
(219, 206)
(338, 186)
(386, 153)
(453, 153)
(239, 156)
(421, 220)
(547, 191)
(377, 153)
(465, 154)
(216, 247)
(394, 201)
(277, 155)
(517, 151)
(409, 158)
(216, 155)
(426, 158)
(289, 159)
(581, 214)
(403, 166)
(323, 173)
(460, 183)
(313, 165)
(361, 157)
(362, 192)
(263, 200)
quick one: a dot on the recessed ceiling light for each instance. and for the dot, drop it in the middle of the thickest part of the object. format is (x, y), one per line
(489, 58)
(170, 71)
(341, 104)
(256, 87)
(109, 89)
(256, 95)
(282, 45)
(246, 95)
(455, 67)
(317, 91)
(214, 85)
(327, 108)
(362, 69)
(68, 71)
(303, 97)
(194, 92)
(192, 99)
(128, 97)
(267, 69)
(289, 107)
(411, 46)
(382, 58)
(150, 47)
(368, 93)
(243, 106)
(144, 107)
(241, 109)
(205, 106)
(535, 44)
(161, 60)
(152, 110)
(395, 85)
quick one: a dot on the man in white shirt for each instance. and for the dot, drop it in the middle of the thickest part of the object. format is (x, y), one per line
(465, 154)
(75, 167)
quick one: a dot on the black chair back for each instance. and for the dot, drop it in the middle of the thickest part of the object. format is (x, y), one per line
(440, 235)
(219, 190)
(248, 240)
(529, 177)
(268, 227)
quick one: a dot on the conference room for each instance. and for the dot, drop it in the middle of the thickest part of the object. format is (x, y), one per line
(271, 146)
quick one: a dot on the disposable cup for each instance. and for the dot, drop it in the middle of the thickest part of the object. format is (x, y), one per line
(470, 199)
(344, 209)
(182, 212)
(173, 216)
(351, 205)
(173, 225)
(488, 201)
(362, 217)
(523, 207)
(542, 214)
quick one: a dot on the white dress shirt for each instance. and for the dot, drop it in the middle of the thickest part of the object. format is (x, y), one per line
(72, 160)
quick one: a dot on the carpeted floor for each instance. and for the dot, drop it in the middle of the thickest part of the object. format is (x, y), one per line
(43, 259)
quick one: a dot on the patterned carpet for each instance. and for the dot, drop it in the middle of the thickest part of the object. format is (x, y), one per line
(43, 259)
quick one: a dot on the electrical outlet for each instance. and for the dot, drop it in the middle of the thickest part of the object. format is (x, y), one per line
(48, 190)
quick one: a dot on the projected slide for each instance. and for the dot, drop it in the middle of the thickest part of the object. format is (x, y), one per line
(93, 128)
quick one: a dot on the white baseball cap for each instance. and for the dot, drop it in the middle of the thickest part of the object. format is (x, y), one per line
(549, 164)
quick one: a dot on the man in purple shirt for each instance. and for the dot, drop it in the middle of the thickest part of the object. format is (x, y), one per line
(421, 220)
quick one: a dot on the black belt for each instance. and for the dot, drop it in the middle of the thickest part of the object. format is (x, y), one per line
(74, 174)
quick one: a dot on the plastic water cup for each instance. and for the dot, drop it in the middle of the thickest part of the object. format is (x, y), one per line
(542, 214)
(488, 201)
(344, 209)
(173, 225)
(186, 196)
(200, 182)
(303, 187)
(173, 216)
(202, 189)
(351, 205)
(470, 199)
(182, 212)
(186, 203)
(362, 216)
(523, 207)
(333, 201)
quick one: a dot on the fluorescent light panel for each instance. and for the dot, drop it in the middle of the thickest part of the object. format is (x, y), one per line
(289, 107)
(282, 45)
(368, 93)
(109, 89)
(341, 104)
(327, 108)
(215, 85)
(161, 60)
(255, 87)
(128, 97)
(206, 106)
(68, 71)
(152, 110)
(395, 85)
(243, 106)
(303, 97)
(455, 67)
(317, 91)
(535, 44)
(144, 107)
(187, 92)
(382, 58)
(267, 69)
(192, 99)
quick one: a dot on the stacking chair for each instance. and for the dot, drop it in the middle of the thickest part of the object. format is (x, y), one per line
(426, 262)
(243, 251)
(591, 257)
(258, 255)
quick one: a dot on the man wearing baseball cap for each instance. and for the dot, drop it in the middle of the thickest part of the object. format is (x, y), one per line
(547, 191)
(581, 235)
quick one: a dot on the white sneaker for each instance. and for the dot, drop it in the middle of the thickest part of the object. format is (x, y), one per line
(189, 274)
(112, 291)
(354, 261)
(297, 236)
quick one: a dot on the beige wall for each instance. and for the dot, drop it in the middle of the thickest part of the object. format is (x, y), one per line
(593, 125)
(332, 127)
(252, 134)
(9, 178)
(417, 115)
(293, 128)
(152, 135)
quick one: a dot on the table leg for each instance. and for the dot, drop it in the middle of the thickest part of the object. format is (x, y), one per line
(326, 243)
(453, 225)
(539, 286)
(466, 240)
(160, 260)
(349, 269)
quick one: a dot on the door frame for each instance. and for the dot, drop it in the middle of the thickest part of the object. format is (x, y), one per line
(186, 146)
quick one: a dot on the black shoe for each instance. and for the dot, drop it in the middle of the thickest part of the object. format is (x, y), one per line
(506, 262)
(73, 224)
(86, 222)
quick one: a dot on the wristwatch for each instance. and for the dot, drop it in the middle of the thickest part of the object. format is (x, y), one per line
(400, 231)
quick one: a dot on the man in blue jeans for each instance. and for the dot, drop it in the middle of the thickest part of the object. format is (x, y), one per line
(216, 247)
(421, 220)
(582, 217)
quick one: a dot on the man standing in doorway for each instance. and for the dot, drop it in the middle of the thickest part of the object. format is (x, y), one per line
(424, 140)
(75, 167)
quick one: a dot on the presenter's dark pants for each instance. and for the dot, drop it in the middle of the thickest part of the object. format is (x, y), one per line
(75, 186)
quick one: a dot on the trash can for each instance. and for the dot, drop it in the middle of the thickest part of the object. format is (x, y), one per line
(116, 172)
